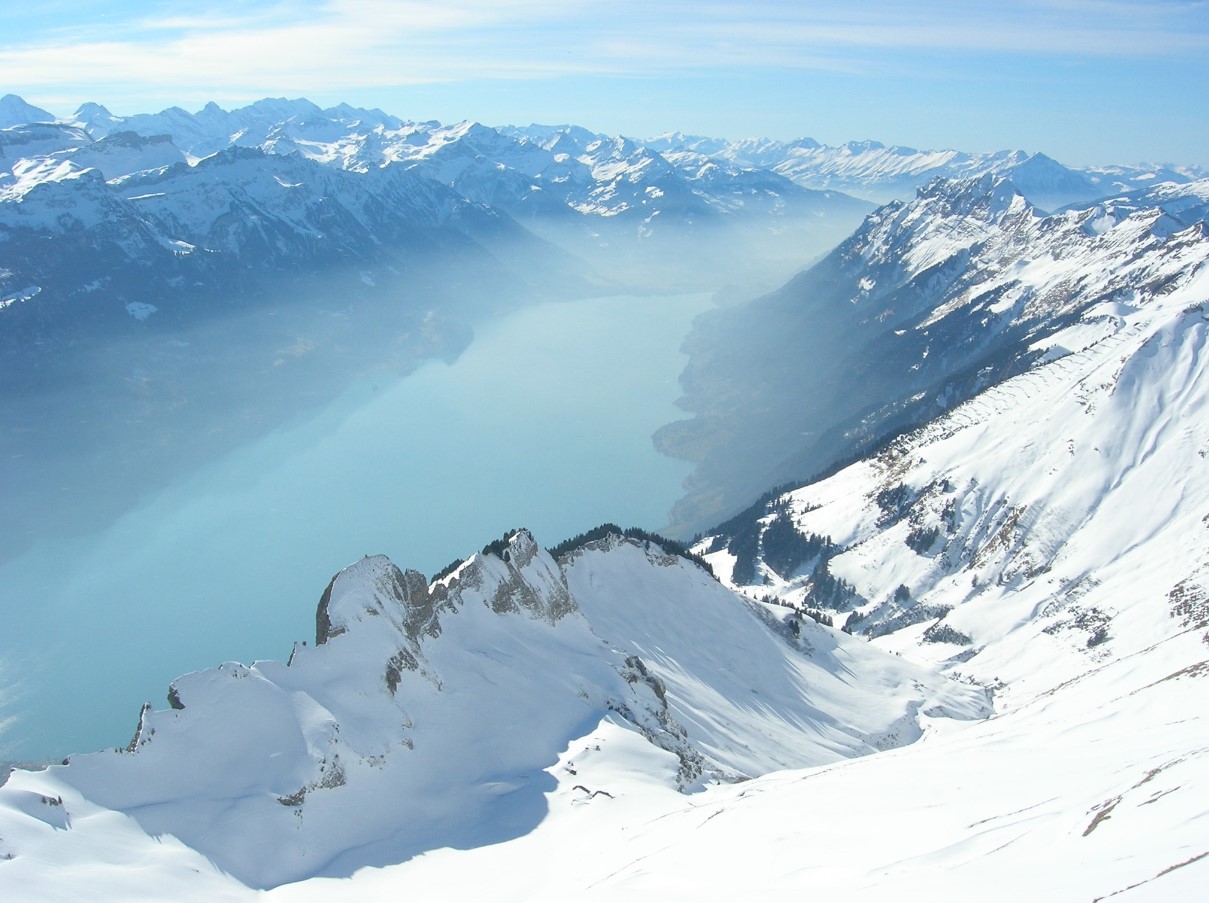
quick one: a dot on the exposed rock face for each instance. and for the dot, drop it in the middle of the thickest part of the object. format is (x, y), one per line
(522, 579)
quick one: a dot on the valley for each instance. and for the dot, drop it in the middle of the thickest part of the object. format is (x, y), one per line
(941, 631)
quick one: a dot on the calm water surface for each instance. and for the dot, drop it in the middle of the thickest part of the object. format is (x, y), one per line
(544, 422)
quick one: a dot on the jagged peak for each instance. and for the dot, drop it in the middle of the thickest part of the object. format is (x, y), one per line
(95, 119)
(90, 109)
(868, 144)
(469, 128)
(515, 574)
(182, 113)
(610, 535)
(278, 106)
(373, 586)
(234, 154)
(512, 575)
(988, 194)
(374, 116)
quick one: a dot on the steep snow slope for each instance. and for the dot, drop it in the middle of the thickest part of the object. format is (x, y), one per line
(430, 715)
(1095, 792)
(926, 304)
(15, 111)
(1050, 524)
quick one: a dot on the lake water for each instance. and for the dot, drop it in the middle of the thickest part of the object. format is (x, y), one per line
(544, 422)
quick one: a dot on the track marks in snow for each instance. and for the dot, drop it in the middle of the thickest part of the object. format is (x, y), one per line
(1166, 871)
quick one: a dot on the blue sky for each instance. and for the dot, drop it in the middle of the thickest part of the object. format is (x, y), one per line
(1086, 81)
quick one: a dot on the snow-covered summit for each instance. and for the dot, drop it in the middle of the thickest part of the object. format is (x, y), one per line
(433, 714)
(15, 111)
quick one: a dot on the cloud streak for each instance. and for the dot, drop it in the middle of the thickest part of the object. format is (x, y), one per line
(1093, 75)
(343, 45)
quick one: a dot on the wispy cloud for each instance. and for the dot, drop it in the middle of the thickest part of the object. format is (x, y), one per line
(343, 45)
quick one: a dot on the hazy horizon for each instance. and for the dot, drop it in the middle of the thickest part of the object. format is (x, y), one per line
(1089, 82)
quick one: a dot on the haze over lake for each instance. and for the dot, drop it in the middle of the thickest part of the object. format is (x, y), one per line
(545, 422)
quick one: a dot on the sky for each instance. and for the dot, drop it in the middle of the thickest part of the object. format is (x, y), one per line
(1085, 81)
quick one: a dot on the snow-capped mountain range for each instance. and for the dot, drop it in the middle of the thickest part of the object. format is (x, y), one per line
(871, 170)
(108, 221)
(304, 247)
(1010, 704)
(626, 206)
(566, 183)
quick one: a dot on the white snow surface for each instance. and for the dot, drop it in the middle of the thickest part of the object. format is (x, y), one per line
(435, 715)
(1067, 570)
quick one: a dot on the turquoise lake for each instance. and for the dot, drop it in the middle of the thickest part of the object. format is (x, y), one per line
(545, 422)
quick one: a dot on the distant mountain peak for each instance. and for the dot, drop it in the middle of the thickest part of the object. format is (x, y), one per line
(15, 111)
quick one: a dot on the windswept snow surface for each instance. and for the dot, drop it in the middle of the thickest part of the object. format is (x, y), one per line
(434, 715)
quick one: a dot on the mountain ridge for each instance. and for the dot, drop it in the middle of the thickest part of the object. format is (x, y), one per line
(407, 679)
(927, 303)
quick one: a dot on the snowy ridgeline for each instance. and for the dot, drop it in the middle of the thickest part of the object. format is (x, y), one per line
(563, 164)
(928, 303)
(1053, 522)
(430, 715)
(302, 177)
(157, 188)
